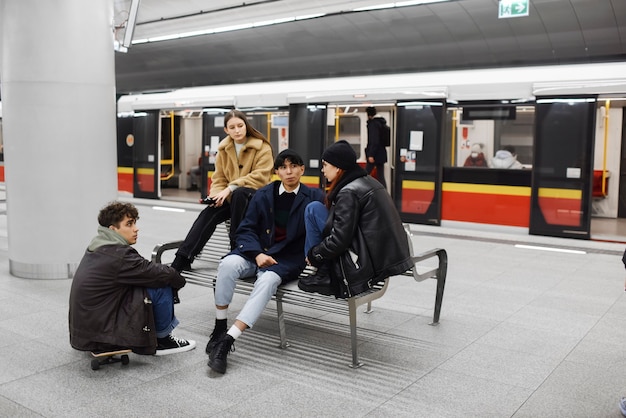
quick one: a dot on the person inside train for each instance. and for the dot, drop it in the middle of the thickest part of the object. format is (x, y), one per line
(356, 238)
(118, 299)
(476, 157)
(505, 158)
(194, 175)
(270, 242)
(243, 164)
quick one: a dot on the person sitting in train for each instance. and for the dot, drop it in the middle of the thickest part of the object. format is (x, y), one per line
(476, 157)
(356, 239)
(243, 164)
(194, 174)
(505, 158)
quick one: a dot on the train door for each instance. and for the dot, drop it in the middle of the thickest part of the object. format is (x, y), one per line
(608, 207)
(562, 167)
(212, 133)
(621, 208)
(348, 121)
(170, 172)
(418, 161)
(146, 173)
(307, 130)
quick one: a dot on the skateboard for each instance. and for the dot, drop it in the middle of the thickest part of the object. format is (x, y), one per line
(107, 357)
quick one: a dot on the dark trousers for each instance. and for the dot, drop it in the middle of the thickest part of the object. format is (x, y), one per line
(206, 222)
(380, 172)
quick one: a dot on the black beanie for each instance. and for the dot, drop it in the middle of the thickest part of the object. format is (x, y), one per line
(341, 155)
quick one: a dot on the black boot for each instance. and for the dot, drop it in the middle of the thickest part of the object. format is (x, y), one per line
(218, 333)
(319, 282)
(217, 358)
(181, 263)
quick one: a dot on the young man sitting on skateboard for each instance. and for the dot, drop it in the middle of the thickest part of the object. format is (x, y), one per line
(118, 298)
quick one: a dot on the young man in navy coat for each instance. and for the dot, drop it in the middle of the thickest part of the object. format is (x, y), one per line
(269, 245)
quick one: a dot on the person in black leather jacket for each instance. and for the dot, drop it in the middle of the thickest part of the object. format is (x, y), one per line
(357, 239)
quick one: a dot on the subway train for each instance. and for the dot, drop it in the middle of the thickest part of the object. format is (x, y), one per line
(564, 124)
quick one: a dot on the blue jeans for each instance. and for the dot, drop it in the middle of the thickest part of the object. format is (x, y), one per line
(233, 267)
(315, 216)
(163, 310)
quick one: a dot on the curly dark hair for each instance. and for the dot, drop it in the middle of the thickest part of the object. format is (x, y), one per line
(114, 212)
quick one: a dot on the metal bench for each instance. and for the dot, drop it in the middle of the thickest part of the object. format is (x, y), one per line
(204, 273)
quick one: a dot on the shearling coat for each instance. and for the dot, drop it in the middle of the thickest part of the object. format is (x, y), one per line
(109, 303)
(252, 169)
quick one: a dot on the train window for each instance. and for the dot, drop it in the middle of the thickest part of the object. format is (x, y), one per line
(495, 143)
(350, 130)
(273, 123)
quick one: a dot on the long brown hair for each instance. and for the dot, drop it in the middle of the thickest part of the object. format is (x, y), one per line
(250, 130)
(340, 173)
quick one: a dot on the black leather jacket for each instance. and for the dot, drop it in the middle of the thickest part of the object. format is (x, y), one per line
(363, 218)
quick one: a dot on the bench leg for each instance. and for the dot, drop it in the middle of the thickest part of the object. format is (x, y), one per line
(281, 324)
(441, 284)
(369, 308)
(355, 355)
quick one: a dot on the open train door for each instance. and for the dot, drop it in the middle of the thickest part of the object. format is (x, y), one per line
(418, 161)
(212, 134)
(146, 175)
(562, 167)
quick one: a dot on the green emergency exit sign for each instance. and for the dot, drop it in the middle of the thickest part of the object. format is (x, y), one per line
(512, 8)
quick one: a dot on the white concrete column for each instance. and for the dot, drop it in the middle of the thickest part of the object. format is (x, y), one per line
(58, 111)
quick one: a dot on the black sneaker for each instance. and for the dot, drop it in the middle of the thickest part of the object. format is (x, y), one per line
(217, 358)
(216, 336)
(170, 345)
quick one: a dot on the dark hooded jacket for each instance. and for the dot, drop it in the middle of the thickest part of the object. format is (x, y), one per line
(375, 146)
(109, 303)
(365, 241)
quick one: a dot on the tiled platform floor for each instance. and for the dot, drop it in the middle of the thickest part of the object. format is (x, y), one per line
(524, 332)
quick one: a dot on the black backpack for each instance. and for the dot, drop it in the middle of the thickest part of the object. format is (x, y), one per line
(385, 133)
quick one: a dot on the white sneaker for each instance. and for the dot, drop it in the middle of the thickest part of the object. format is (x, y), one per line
(172, 345)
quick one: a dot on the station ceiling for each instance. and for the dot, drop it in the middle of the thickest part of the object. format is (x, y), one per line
(455, 34)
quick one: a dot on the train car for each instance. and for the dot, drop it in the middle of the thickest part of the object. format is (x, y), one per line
(564, 123)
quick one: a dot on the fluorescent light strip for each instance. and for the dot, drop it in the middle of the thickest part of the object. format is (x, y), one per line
(569, 101)
(165, 209)
(396, 4)
(559, 250)
(230, 28)
(276, 22)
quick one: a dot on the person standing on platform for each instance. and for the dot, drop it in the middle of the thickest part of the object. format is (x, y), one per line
(243, 165)
(118, 299)
(269, 245)
(375, 151)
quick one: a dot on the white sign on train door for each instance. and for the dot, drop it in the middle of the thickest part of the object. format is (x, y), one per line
(513, 8)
